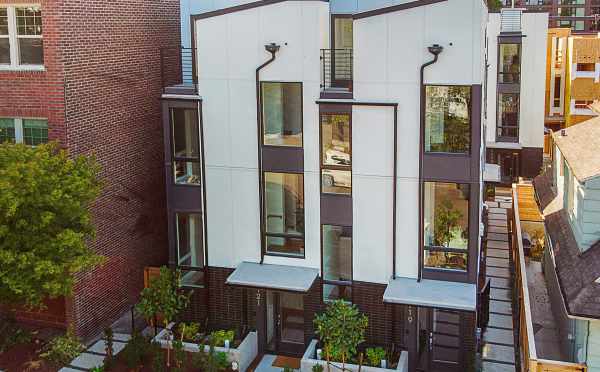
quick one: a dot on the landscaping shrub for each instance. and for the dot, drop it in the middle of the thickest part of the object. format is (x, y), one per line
(219, 337)
(135, 350)
(62, 349)
(375, 356)
(317, 368)
(11, 334)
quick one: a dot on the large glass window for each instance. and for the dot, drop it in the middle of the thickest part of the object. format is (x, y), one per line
(508, 117)
(284, 213)
(509, 70)
(21, 31)
(282, 113)
(7, 130)
(448, 119)
(190, 248)
(29, 35)
(446, 225)
(35, 131)
(4, 37)
(186, 146)
(337, 263)
(336, 154)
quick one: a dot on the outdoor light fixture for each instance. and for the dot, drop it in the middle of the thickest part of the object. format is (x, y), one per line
(272, 48)
(435, 49)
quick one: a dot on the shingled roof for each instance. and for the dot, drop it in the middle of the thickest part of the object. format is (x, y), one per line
(576, 271)
(580, 146)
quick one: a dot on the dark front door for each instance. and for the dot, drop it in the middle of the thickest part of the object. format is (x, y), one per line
(439, 341)
(509, 164)
(285, 323)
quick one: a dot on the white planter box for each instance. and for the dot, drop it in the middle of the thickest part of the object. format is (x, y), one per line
(308, 361)
(243, 355)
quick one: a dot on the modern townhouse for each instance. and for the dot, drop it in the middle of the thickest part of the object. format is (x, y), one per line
(578, 15)
(316, 151)
(87, 74)
(573, 78)
(515, 92)
(569, 194)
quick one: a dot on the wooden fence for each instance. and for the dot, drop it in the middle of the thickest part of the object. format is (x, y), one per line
(529, 360)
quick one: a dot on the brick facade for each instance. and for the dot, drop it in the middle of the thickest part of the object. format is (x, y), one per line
(101, 94)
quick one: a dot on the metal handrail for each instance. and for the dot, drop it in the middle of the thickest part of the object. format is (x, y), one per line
(177, 65)
(337, 68)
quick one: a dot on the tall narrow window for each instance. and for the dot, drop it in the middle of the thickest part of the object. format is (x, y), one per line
(337, 263)
(282, 114)
(4, 37)
(35, 131)
(29, 36)
(557, 88)
(284, 213)
(190, 248)
(508, 117)
(336, 154)
(186, 146)
(446, 225)
(448, 119)
(7, 130)
(509, 70)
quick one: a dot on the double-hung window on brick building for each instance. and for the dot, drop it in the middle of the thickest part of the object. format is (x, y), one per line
(21, 39)
(31, 132)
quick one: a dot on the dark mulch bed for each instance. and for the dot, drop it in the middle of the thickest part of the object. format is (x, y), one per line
(121, 366)
(25, 357)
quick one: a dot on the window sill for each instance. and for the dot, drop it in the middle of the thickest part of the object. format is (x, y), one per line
(23, 68)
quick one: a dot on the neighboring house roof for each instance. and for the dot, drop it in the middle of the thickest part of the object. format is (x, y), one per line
(576, 271)
(580, 148)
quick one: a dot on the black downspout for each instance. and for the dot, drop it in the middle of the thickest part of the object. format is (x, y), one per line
(435, 49)
(273, 49)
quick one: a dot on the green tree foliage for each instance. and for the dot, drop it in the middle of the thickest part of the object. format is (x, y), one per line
(494, 5)
(341, 328)
(45, 221)
(446, 219)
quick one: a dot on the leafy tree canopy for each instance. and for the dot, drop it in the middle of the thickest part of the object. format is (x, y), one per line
(45, 221)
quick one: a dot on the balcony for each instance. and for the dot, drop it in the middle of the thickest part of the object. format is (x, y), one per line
(336, 73)
(507, 133)
(178, 71)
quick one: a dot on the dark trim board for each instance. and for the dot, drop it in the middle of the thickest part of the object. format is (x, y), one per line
(395, 8)
(239, 8)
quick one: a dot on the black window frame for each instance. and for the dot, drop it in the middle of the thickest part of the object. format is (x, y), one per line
(500, 128)
(266, 234)
(184, 268)
(340, 283)
(502, 73)
(322, 165)
(466, 252)
(175, 159)
(262, 114)
(466, 153)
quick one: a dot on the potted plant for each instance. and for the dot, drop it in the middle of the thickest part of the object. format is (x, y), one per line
(341, 328)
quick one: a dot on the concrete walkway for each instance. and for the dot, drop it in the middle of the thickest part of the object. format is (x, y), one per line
(498, 353)
(94, 355)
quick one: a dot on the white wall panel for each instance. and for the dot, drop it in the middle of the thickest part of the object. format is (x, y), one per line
(373, 145)
(372, 228)
(242, 121)
(245, 218)
(407, 227)
(215, 111)
(219, 214)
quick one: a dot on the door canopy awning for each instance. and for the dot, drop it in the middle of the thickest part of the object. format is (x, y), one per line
(277, 277)
(432, 293)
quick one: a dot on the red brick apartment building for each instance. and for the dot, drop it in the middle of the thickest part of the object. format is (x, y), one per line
(88, 74)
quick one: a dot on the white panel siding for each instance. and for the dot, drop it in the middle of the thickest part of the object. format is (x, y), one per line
(593, 349)
(230, 47)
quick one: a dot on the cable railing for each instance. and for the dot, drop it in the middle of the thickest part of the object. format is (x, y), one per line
(336, 69)
(178, 68)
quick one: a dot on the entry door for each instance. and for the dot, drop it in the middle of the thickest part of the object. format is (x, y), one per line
(285, 323)
(439, 344)
(508, 166)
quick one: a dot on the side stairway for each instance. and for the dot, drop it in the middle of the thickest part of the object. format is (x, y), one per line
(498, 352)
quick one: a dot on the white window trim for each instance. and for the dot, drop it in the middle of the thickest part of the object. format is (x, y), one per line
(19, 126)
(13, 41)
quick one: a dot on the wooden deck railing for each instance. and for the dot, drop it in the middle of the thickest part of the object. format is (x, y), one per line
(529, 360)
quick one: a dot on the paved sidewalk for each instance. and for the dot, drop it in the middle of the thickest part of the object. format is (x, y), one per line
(498, 353)
(94, 355)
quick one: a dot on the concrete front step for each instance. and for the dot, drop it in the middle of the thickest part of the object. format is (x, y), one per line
(500, 321)
(497, 237)
(501, 283)
(497, 244)
(500, 353)
(498, 229)
(500, 294)
(497, 262)
(497, 367)
(498, 253)
(499, 223)
(498, 272)
(500, 307)
(499, 336)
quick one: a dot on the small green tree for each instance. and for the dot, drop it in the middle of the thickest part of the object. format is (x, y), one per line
(341, 328)
(446, 219)
(45, 221)
(494, 5)
(163, 297)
